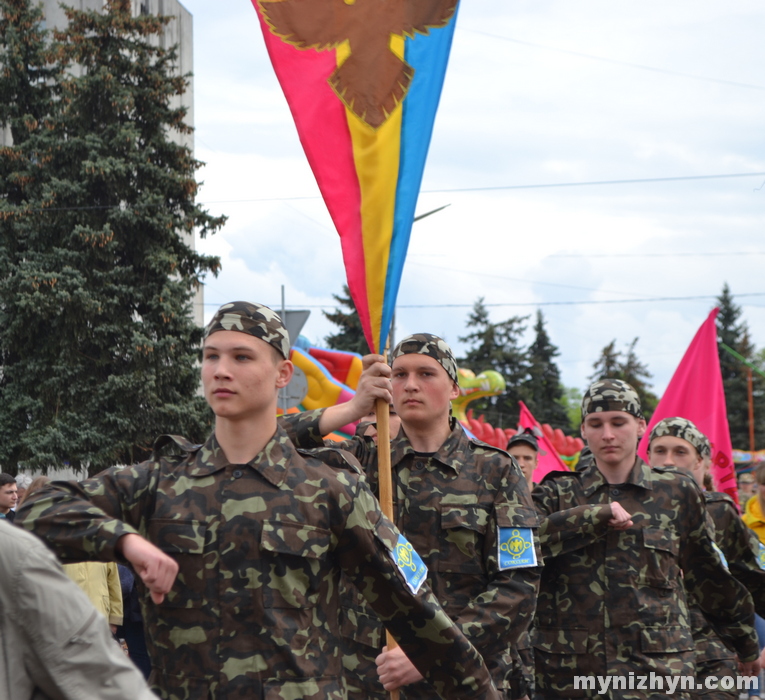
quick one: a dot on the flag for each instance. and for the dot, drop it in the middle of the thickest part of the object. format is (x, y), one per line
(549, 462)
(363, 80)
(696, 392)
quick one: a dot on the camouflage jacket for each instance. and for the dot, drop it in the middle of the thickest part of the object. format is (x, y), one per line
(741, 550)
(612, 602)
(260, 548)
(452, 506)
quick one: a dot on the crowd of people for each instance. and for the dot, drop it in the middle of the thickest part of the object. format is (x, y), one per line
(264, 567)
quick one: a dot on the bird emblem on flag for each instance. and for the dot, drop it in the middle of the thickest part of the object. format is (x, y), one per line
(373, 79)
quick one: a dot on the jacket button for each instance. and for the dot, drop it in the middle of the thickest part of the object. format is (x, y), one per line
(615, 492)
(238, 473)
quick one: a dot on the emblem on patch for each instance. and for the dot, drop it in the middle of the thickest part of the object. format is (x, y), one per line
(516, 548)
(410, 565)
(761, 555)
(722, 556)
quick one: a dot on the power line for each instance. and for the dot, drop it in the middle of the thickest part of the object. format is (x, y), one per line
(654, 255)
(530, 303)
(639, 66)
(593, 183)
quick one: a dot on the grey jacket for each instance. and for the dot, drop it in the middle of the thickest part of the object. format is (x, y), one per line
(53, 643)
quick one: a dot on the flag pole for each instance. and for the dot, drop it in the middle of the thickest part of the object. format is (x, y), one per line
(385, 483)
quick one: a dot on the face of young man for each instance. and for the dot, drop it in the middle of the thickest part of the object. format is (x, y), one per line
(242, 375)
(613, 437)
(527, 458)
(422, 390)
(671, 451)
(8, 497)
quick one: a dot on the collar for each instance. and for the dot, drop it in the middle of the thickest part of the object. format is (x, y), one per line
(640, 475)
(272, 462)
(450, 454)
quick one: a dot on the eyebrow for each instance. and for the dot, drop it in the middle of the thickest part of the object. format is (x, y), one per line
(235, 348)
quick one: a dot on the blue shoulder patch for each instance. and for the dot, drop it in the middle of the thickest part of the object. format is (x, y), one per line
(722, 556)
(410, 565)
(761, 555)
(516, 548)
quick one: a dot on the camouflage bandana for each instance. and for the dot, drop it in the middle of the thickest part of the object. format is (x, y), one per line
(430, 345)
(256, 320)
(685, 430)
(611, 395)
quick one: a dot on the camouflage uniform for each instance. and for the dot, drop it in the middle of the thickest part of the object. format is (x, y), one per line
(260, 548)
(449, 505)
(611, 602)
(741, 548)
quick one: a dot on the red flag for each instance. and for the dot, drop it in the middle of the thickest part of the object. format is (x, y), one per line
(549, 462)
(696, 392)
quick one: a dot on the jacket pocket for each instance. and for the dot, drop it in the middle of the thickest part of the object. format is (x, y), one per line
(661, 550)
(463, 527)
(295, 559)
(184, 541)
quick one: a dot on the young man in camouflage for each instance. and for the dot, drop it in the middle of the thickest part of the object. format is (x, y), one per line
(463, 505)
(677, 442)
(259, 534)
(619, 540)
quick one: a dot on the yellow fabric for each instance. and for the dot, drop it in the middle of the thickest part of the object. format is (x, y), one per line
(754, 518)
(101, 583)
(376, 154)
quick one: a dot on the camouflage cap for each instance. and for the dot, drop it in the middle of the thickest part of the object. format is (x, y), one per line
(685, 430)
(256, 320)
(611, 395)
(524, 435)
(430, 345)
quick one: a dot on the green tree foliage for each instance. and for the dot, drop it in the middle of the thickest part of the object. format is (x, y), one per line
(735, 334)
(497, 346)
(543, 389)
(99, 350)
(350, 337)
(613, 364)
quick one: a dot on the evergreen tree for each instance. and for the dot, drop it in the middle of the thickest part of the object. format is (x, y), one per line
(543, 388)
(613, 364)
(735, 334)
(99, 350)
(350, 337)
(496, 346)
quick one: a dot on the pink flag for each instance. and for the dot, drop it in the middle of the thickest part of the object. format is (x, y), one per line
(548, 462)
(696, 392)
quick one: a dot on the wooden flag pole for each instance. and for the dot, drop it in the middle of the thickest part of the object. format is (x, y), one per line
(382, 409)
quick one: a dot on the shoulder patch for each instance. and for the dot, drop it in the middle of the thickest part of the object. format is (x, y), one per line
(333, 457)
(173, 444)
(516, 548)
(558, 473)
(409, 563)
(718, 497)
(760, 553)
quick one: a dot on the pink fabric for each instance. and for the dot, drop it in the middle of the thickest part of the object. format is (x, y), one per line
(696, 392)
(550, 462)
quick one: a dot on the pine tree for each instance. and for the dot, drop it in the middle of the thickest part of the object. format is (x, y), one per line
(99, 350)
(543, 388)
(496, 346)
(350, 337)
(735, 334)
(613, 364)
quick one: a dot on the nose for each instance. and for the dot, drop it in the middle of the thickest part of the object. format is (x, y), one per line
(608, 434)
(222, 368)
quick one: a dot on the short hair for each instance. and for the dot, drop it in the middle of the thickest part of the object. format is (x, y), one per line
(6, 479)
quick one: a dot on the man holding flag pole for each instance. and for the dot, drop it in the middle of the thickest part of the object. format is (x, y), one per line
(464, 506)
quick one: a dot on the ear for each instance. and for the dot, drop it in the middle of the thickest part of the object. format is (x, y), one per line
(455, 392)
(285, 370)
(642, 425)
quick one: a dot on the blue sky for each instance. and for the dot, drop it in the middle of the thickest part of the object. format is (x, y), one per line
(549, 92)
